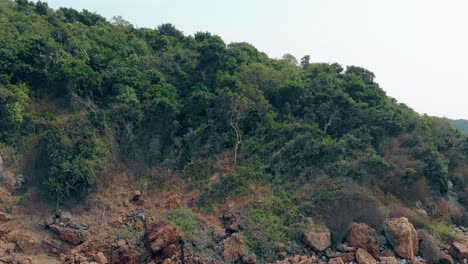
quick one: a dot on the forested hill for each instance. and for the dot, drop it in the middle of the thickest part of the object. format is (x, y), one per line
(460, 124)
(81, 96)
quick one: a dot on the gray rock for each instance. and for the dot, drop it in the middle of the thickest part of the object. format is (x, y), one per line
(65, 216)
(1, 164)
(77, 225)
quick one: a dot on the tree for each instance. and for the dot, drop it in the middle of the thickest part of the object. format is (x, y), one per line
(239, 109)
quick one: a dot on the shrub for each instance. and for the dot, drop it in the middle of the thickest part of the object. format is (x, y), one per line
(262, 228)
(444, 232)
(197, 236)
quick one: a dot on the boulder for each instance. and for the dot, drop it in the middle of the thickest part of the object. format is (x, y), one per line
(233, 248)
(162, 234)
(73, 236)
(336, 261)
(363, 236)
(100, 258)
(26, 241)
(363, 257)
(458, 251)
(1, 165)
(318, 239)
(388, 260)
(403, 237)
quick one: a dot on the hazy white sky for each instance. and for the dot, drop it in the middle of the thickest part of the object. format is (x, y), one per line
(417, 49)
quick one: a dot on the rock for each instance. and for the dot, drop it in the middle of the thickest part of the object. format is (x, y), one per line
(388, 260)
(318, 239)
(1, 165)
(403, 237)
(233, 248)
(65, 216)
(25, 240)
(388, 253)
(137, 198)
(231, 220)
(19, 181)
(161, 234)
(78, 225)
(73, 236)
(344, 248)
(100, 258)
(363, 236)
(348, 257)
(336, 261)
(219, 232)
(4, 217)
(173, 201)
(53, 246)
(363, 257)
(458, 251)
(446, 259)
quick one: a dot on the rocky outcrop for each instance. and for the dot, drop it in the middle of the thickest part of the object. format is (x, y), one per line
(363, 236)
(363, 257)
(458, 251)
(164, 239)
(233, 248)
(318, 239)
(70, 235)
(26, 241)
(403, 237)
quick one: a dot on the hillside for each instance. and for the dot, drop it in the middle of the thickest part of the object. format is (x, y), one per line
(132, 145)
(460, 124)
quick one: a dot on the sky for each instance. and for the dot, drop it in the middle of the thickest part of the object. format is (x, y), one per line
(417, 49)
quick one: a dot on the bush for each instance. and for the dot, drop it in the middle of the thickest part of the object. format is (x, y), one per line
(262, 228)
(73, 155)
(197, 236)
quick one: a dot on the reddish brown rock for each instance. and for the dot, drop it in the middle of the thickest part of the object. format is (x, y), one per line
(161, 234)
(336, 261)
(458, 251)
(318, 239)
(344, 248)
(388, 260)
(363, 257)
(403, 237)
(233, 248)
(173, 201)
(26, 241)
(363, 236)
(73, 236)
(348, 257)
(100, 258)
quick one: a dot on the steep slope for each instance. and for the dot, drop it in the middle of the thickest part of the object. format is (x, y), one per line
(254, 159)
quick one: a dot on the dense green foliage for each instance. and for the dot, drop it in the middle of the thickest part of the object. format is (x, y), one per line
(82, 91)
